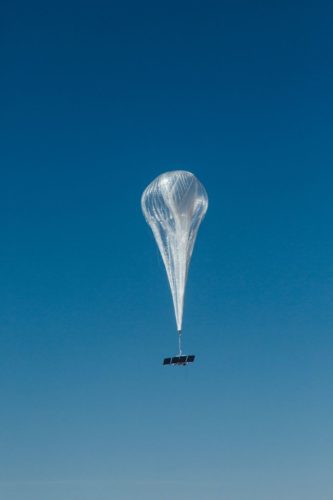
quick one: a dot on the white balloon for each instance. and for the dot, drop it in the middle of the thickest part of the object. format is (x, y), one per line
(174, 205)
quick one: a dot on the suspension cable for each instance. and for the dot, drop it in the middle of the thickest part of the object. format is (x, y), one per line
(180, 342)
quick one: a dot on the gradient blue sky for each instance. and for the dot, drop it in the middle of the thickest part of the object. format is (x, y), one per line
(97, 99)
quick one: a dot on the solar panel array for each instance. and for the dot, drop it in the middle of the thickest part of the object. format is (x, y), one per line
(179, 360)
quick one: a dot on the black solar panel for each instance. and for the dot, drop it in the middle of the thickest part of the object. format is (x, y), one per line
(179, 360)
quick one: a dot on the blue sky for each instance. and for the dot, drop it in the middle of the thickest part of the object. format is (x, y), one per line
(97, 99)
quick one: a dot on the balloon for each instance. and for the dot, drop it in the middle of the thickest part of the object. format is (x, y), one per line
(174, 205)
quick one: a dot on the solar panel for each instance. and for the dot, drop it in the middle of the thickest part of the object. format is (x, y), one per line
(179, 360)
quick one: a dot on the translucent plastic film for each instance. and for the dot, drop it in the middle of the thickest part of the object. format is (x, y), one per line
(174, 205)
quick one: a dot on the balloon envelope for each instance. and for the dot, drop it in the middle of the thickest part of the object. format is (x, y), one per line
(174, 205)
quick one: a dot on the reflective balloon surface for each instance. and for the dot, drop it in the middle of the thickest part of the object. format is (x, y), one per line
(174, 205)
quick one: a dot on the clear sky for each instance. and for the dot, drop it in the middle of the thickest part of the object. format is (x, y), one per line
(97, 99)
